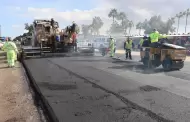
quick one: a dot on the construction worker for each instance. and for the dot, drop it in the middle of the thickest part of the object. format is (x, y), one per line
(141, 42)
(128, 47)
(74, 39)
(52, 22)
(163, 39)
(112, 47)
(146, 41)
(10, 48)
(154, 36)
(73, 27)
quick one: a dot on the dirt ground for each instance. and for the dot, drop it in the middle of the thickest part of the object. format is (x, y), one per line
(16, 102)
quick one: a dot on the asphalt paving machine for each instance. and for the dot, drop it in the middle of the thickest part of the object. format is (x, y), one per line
(47, 39)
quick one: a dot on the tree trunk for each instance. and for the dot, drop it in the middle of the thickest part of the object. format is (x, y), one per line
(178, 25)
(129, 30)
(113, 19)
(186, 23)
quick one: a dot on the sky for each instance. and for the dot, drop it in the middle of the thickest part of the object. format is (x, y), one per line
(14, 13)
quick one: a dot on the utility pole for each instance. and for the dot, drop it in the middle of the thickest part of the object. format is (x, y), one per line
(0, 30)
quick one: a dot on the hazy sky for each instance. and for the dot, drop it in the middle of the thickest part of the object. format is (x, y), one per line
(14, 13)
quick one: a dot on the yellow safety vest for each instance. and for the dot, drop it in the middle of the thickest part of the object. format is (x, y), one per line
(128, 45)
(154, 37)
(111, 45)
(141, 42)
(9, 46)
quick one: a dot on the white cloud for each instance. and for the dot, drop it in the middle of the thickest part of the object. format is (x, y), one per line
(66, 17)
(135, 9)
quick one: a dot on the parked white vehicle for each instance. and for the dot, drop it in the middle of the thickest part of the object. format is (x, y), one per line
(85, 45)
(101, 41)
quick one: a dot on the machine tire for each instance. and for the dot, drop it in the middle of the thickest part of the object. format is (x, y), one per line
(157, 61)
(179, 66)
(145, 62)
(167, 64)
(182, 65)
(103, 54)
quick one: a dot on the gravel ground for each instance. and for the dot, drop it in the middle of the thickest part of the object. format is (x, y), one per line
(16, 102)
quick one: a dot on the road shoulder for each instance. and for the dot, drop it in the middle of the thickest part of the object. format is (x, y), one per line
(16, 102)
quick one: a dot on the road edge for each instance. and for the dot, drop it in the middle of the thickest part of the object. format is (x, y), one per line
(46, 108)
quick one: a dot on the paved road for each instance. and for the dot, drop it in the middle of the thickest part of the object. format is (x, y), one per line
(148, 95)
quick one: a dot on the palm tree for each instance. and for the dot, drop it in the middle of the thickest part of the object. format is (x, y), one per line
(113, 13)
(169, 25)
(125, 25)
(179, 16)
(122, 16)
(187, 13)
(97, 23)
(131, 24)
(139, 26)
(85, 30)
(28, 27)
(91, 29)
